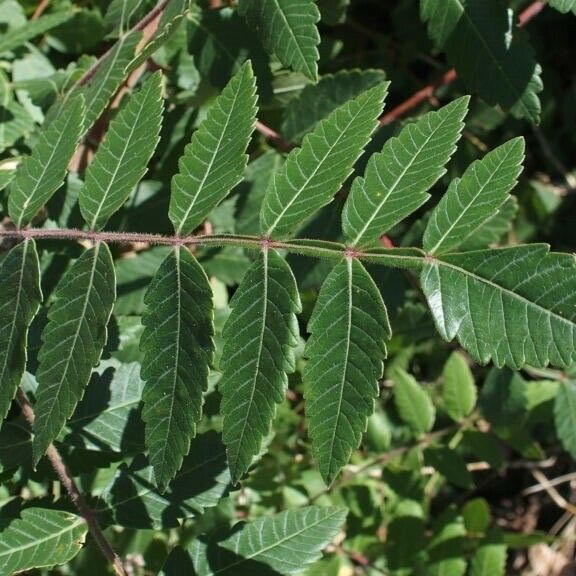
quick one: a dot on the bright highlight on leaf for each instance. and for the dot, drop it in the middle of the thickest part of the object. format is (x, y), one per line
(122, 158)
(40, 538)
(287, 28)
(345, 351)
(178, 348)
(313, 173)
(515, 305)
(259, 337)
(284, 543)
(72, 341)
(39, 175)
(563, 5)
(474, 200)
(214, 161)
(398, 178)
(20, 299)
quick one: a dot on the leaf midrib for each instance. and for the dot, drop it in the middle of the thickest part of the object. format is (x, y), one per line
(9, 553)
(507, 291)
(461, 214)
(275, 544)
(284, 169)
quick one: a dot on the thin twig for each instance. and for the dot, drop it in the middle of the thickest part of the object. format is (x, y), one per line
(557, 498)
(74, 493)
(42, 5)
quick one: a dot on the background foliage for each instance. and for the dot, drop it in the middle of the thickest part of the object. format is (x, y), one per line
(226, 410)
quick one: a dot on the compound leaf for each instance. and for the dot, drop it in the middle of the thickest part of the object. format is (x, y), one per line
(122, 158)
(268, 545)
(345, 352)
(40, 538)
(287, 28)
(72, 341)
(398, 178)
(474, 200)
(214, 161)
(313, 173)
(39, 175)
(413, 403)
(19, 302)
(565, 416)
(259, 337)
(178, 348)
(492, 56)
(513, 305)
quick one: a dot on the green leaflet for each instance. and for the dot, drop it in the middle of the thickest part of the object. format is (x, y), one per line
(489, 560)
(563, 5)
(15, 121)
(40, 538)
(493, 229)
(19, 302)
(287, 28)
(491, 55)
(259, 337)
(565, 416)
(513, 305)
(413, 403)
(459, 390)
(345, 351)
(474, 200)
(284, 543)
(178, 348)
(72, 341)
(18, 36)
(398, 178)
(214, 161)
(316, 101)
(313, 173)
(121, 160)
(39, 175)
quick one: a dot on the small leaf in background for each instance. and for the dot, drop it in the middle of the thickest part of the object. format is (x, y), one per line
(40, 538)
(513, 305)
(446, 550)
(15, 121)
(259, 340)
(397, 179)
(20, 299)
(39, 175)
(131, 499)
(284, 543)
(413, 403)
(313, 173)
(333, 12)
(178, 349)
(214, 161)
(72, 341)
(477, 516)
(459, 389)
(122, 158)
(287, 28)
(565, 416)
(345, 351)
(489, 560)
(475, 199)
(449, 464)
(316, 101)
